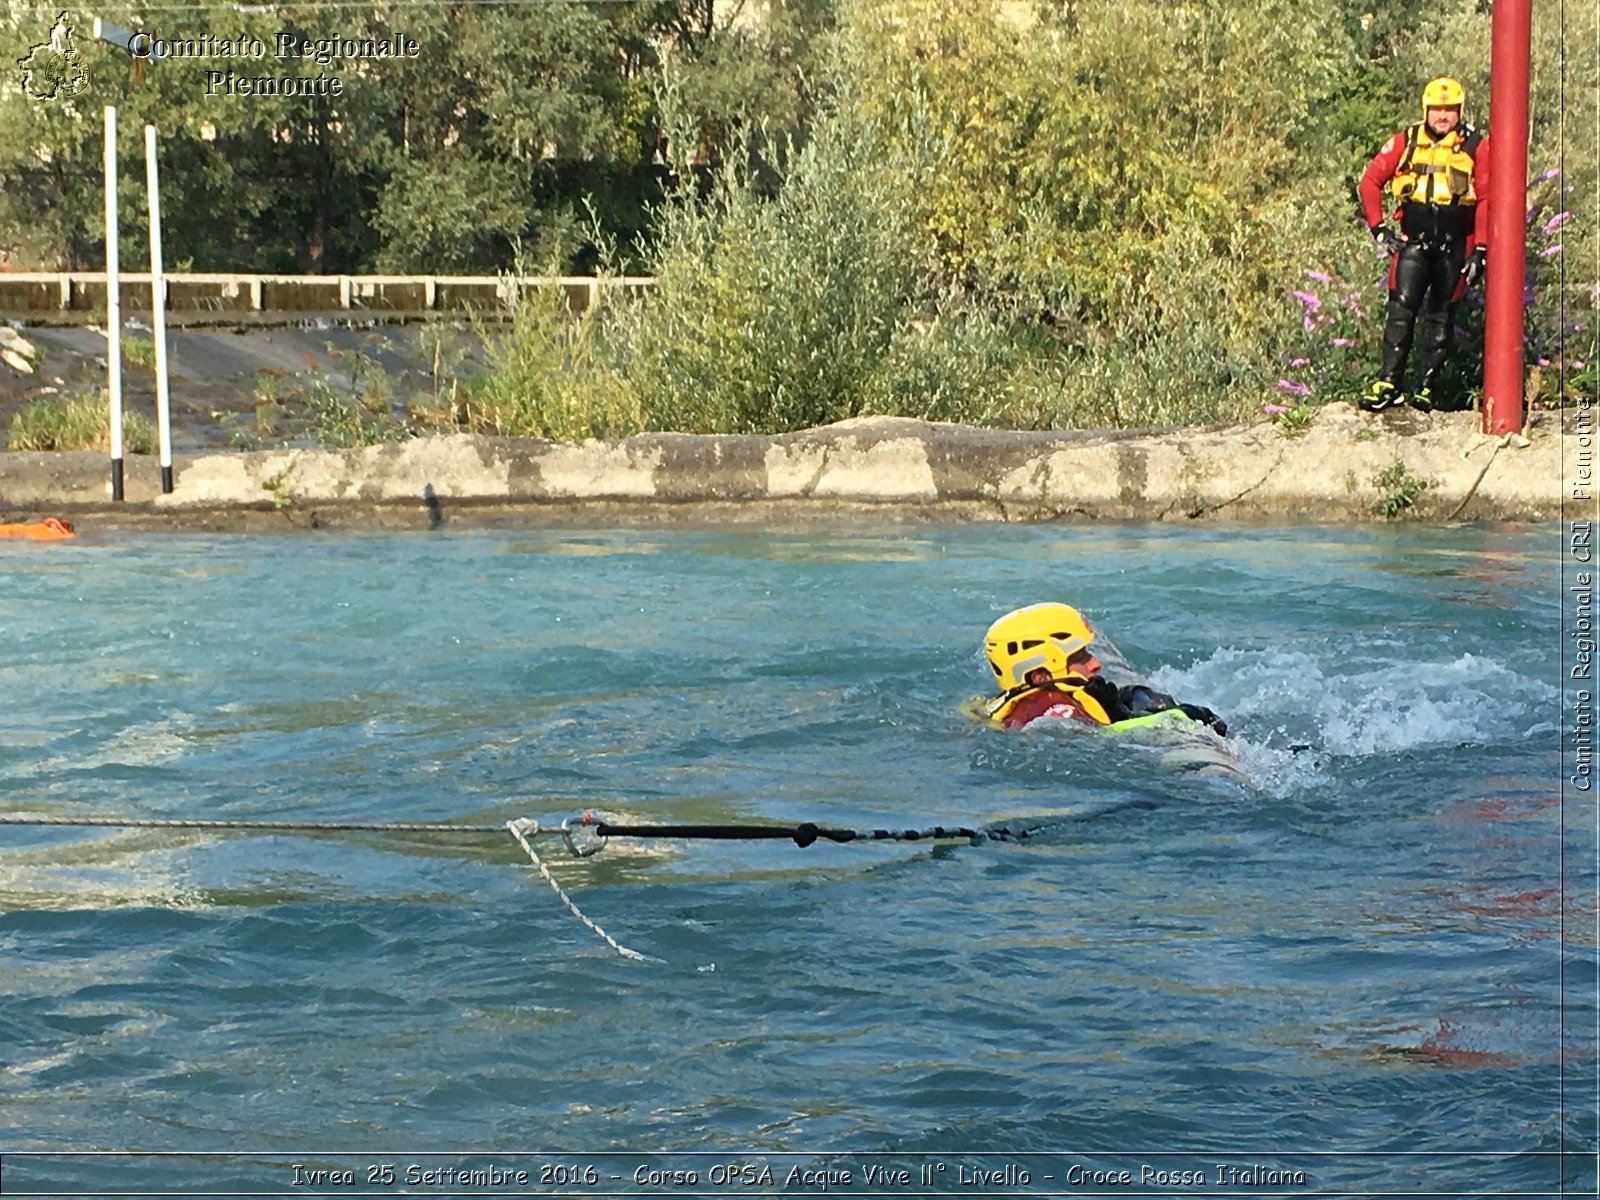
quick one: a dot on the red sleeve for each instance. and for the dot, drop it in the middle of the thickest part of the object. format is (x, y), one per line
(1480, 188)
(1379, 171)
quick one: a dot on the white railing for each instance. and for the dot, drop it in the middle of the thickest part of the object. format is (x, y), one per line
(244, 292)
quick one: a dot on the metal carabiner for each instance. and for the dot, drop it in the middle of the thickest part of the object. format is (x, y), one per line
(582, 852)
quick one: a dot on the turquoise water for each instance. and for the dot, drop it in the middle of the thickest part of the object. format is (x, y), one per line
(1376, 966)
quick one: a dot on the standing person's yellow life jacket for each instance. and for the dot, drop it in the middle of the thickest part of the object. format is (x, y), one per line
(1437, 171)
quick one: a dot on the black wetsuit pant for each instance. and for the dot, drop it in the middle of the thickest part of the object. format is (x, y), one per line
(1424, 285)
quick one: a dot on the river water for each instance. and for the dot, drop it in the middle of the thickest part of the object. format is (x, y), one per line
(1372, 970)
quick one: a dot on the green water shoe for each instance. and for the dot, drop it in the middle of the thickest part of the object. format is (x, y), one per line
(1379, 396)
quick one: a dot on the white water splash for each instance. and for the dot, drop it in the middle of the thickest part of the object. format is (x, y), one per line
(1279, 697)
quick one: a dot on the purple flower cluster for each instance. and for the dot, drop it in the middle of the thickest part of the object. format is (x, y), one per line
(1553, 340)
(1339, 340)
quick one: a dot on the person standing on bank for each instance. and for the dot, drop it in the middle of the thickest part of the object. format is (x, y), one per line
(1438, 172)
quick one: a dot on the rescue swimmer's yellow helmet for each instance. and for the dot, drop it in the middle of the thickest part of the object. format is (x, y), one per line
(1443, 92)
(1041, 635)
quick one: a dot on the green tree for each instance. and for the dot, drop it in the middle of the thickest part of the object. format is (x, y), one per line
(492, 133)
(749, 82)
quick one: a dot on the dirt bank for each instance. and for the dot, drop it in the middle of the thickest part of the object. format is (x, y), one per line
(223, 379)
(892, 468)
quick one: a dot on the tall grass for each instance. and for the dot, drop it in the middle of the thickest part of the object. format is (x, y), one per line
(78, 422)
(546, 376)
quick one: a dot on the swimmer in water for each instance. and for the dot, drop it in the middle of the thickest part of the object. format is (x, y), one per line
(1043, 667)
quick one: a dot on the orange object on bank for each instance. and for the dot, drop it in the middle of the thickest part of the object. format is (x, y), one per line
(51, 529)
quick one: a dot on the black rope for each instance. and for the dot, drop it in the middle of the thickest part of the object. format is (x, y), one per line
(802, 835)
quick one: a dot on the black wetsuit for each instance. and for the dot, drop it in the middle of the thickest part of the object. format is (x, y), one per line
(1137, 700)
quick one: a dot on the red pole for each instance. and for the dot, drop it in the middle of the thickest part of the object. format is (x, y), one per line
(1508, 200)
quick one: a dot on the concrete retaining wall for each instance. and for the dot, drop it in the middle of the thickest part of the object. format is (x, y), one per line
(898, 468)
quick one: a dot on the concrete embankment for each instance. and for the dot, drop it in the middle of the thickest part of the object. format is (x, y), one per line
(894, 468)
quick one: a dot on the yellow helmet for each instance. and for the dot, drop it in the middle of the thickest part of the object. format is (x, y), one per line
(1442, 92)
(1041, 635)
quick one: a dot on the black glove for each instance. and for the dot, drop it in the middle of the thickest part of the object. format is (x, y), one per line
(1386, 239)
(1472, 269)
(1104, 692)
(1199, 712)
(1141, 701)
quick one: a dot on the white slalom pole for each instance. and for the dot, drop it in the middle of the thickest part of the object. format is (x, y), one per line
(158, 311)
(113, 306)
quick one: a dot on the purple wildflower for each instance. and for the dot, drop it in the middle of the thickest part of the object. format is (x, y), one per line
(1343, 342)
(1311, 300)
(1274, 408)
(1298, 362)
(1548, 251)
(1319, 277)
(1290, 387)
(1556, 222)
(1544, 175)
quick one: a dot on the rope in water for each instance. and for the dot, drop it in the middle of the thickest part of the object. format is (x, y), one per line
(290, 826)
(524, 830)
(804, 834)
